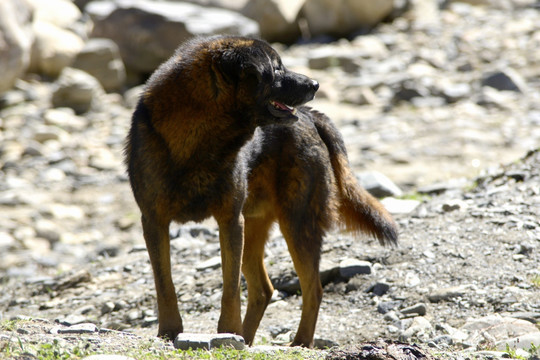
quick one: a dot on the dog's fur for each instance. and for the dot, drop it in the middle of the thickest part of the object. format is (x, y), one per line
(221, 131)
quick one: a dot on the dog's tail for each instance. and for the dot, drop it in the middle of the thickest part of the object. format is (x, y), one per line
(358, 209)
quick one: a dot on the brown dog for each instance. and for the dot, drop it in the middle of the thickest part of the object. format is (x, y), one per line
(220, 131)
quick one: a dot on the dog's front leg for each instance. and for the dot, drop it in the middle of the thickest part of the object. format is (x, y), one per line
(231, 239)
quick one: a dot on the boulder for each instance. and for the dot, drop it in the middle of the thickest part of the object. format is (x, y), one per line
(54, 48)
(101, 59)
(148, 32)
(15, 40)
(62, 13)
(76, 89)
(276, 18)
(341, 18)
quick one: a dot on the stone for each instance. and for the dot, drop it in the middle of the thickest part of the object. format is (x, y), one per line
(341, 18)
(55, 48)
(276, 18)
(386, 306)
(417, 309)
(6, 240)
(107, 357)
(64, 118)
(400, 206)
(77, 90)
(16, 38)
(148, 32)
(525, 342)
(322, 344)
(379, 289)
(61, 13)
(378, 184)
(212, 263)
(101, 59)
(507, 79)
(447, 293)
(186, 341)
(84, 328)
(501, 330)
(419, 328)
(351, 267)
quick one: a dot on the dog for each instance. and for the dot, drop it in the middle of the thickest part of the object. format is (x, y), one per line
(221, 130)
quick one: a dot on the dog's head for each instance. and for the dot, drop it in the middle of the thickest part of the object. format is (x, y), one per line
(263, 86)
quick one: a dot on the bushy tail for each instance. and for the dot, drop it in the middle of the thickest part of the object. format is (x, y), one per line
(359, 210)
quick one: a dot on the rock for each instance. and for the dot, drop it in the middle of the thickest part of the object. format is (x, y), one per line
(276, 18)
(425, 14)
(64, 118)
(341, 18)
(101, 59)
(212, 263)
(104, 159)
(61, 13)
(77, 90)
(386, 306)
(6, 240)
(507, 79)
(107, 307)
(84, 328)
(379, 289)
(378, 184)
(417, 309)
(501, 331)
(447, 293)
(187, 341)
(323, 344)
(400, 206)
(148, 32)
(351, 267)
(419, 328)
(16, 39)
(54, 49)
(107, 357)
(525, 342)
(48, 230)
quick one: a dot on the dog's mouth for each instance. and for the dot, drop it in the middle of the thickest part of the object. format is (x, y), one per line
(280, 109)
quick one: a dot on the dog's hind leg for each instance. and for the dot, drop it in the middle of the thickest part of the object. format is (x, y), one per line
(231, 239)
(259, 287)
(304, 243)
(156, 235)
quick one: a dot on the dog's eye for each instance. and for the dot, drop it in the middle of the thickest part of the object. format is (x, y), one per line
(278, 71)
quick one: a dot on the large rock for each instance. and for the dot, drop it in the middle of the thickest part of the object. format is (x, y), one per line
(77, 90)
(276, 18)
(148, 32)
(340, 18)
(15, 40)
(101, 59)
(62, 13)
(54, 49)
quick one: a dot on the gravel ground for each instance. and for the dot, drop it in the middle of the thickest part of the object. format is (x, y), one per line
(72, 247)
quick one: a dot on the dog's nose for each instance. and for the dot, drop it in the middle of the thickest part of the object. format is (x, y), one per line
(315, 85)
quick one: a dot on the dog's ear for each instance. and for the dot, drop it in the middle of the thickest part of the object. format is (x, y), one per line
(241, 65)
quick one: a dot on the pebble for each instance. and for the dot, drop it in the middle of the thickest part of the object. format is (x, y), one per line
(379, 289)
(385, 306)
(351, 267)
(419, 309)
(84, 328)
(378, 184)
(400, 206)
(447, 294)
(107, 357)
(186, 341)
(212, 263)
